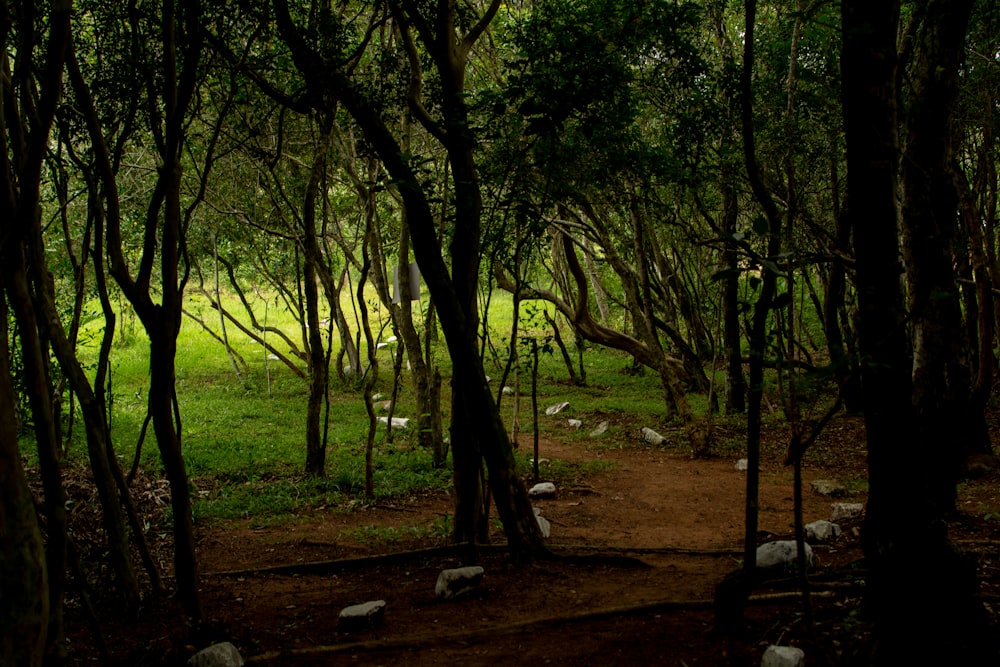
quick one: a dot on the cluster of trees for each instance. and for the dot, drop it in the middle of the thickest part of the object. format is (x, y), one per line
(647, 168)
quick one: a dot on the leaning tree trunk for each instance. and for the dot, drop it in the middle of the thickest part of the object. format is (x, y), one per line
(522, 532)
(39, 391)
(97, 432)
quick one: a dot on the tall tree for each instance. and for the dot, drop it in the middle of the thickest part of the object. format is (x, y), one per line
(29, 95)
(330, 73)
(171, 69)
(24, 616)
(929, 208)
(904, 538)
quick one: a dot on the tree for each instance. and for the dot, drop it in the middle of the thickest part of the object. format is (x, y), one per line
(24, 618)
(904, 538)
(929, 210)
(597, 132)
(329, 73)
(171, 77)
(30, 94)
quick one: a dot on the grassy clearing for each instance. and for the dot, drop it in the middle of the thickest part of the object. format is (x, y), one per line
(244, 437)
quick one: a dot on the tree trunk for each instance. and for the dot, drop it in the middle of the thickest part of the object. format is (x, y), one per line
(39, 390)
(732, 338)
(421, 369)
(903, 536)
(24, 614)
(763, 305)
(845, 365)
(163, 233)
(985, 320)
(929, 216)
(312, 257)
(95, 423)
(451, 301)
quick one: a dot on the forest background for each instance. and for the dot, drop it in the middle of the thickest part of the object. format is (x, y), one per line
(735, 196)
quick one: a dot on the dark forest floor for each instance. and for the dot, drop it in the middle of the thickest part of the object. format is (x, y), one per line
(643, 544)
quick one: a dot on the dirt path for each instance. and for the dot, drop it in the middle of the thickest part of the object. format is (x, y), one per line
(681, 519)
(652, 533)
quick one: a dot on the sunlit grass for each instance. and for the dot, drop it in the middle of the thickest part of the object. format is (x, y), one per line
(244, 434)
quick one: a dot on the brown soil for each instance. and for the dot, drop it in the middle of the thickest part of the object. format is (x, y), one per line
(642, 546)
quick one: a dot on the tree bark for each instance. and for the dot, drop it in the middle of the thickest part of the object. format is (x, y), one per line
(24, 614)
(904, 538)
(29, 95)
(929, 217)
(763, 305)
(312, 257)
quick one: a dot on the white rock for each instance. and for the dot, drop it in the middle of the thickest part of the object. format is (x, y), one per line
(542, 490)
(822, 531)
(377, 397)
(488, 379)
(367, 614)
(459, 581)
(780, 553)
(507, 390)
(601, 429)
(379, 346)
(845, 511)
(558, 407)
(391, 339)
(544, 526)
(397, 422)
(273, 357)
(575, 423)
(651, 436)
(217, 655)
(741, 465)
(783, 656)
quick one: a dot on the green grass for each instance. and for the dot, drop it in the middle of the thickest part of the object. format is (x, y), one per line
(243, 438)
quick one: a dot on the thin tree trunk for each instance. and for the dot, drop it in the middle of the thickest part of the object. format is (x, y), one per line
(312, 258)
(763, 306)
(222, 318)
